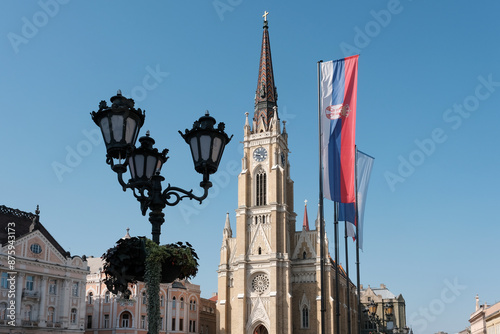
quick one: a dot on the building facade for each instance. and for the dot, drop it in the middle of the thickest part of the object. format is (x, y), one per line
(42, 287)
(485, 319)
(181, 307)
(269, 273)
(382, 296)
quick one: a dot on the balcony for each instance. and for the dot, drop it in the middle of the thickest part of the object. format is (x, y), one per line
(29, 323)
(31, 294)
(53, 324)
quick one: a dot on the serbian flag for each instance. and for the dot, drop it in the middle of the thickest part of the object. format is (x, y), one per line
(347, 211)
(338, 89)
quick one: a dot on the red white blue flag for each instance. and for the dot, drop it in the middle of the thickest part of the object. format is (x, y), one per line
(347, 211)
(338, 127)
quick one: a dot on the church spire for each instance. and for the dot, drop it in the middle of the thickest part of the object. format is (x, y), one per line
(305, 224)
(227, 232)
(266, 95)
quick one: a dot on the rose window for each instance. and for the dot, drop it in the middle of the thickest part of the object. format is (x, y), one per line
(260, 283)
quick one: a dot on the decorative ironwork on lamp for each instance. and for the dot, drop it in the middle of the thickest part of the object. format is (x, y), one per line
(120, 125)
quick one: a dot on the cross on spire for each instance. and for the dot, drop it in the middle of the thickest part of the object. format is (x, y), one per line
(265, 15)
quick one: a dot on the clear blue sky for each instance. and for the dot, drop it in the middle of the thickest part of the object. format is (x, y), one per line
(428, 111)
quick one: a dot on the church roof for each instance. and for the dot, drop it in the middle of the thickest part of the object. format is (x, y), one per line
(25, 223)
(266, 95)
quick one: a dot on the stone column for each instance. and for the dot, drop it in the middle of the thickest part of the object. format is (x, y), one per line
(82, 307)
(19, 296)
(43, 302)
(65, 307)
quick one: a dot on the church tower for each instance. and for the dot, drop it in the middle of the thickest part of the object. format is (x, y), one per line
(254, 273)
(268, 276)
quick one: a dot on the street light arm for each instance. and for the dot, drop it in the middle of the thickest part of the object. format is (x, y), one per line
(173, 195)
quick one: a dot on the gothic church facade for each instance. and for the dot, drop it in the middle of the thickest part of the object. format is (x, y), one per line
(269, 273)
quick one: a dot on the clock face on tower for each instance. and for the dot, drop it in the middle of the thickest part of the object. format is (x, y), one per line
(260, 154)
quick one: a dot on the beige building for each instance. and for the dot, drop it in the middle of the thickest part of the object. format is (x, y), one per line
(42, 287)
(269, 273)
(485, 319)
(382, 296)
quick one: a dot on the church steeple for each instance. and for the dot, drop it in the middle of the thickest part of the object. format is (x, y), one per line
(266, 95)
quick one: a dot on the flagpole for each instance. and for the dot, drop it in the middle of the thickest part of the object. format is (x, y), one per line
(321, 214)
(347, 280)
(357, 239)
(337, 301)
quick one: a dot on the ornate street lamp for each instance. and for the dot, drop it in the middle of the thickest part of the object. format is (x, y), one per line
(388, 310)
(372, 308)
(120, 125)
(372, 314)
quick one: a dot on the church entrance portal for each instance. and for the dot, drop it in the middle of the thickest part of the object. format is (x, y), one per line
(260, 330)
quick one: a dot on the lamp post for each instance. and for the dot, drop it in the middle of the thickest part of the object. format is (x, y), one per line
(389, 312)
(372, 314)
(120, 124)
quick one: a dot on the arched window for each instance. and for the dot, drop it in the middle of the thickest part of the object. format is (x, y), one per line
(107, 297)
(260, 250)
(173, 303)
(261, 188)
(144, 298)
(90, 297)
(126, 320)
(304, 255)
(73, 315)
(50, 314)
(305, 317)
(194, 305)
(162, 300)
(182, 303)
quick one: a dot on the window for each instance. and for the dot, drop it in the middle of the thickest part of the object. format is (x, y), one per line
(36, 248)
(74, 289)
(182, 304)
(106, 321)
(143, 321)
(89, 321)
(3, 311)
(52, 287)
(260, 189)
(4, 283)
(29, 282)
(192, 326)
(106, 297)
(126, 294)
(305, 317)
(27, 312)
(181, 324)
(126, 320)
(173, 322)
(161, 323)
(50, 314)
(173, 304)
(73, 315)
(144, 298)
(192, 305)
(162, 301)
(304, 255)
(90, 299)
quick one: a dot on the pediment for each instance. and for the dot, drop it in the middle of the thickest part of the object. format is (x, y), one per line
(305, 244)
(36, 246)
